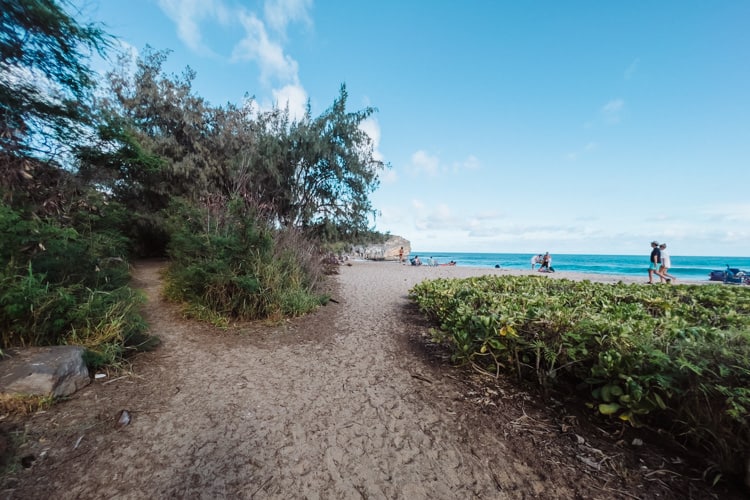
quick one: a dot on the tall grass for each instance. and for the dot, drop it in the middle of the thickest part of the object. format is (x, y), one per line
(238, 266)
(68, 285)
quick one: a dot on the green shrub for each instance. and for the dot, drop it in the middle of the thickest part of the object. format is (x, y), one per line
(677, 357)
(238, 266)
(67, 284)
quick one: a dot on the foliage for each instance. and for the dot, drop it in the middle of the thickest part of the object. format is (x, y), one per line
(677, 357)
(240, 197)
(44, 81)
(158, 140)
(231, 264)
(333, 169)
(67, 283)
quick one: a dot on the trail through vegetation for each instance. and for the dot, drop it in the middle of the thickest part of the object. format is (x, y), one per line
(347, 402)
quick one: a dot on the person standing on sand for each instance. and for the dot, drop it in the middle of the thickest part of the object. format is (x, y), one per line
(654, 262)
(546, 266)
(401, 255)
(536, 259)
(666, 263)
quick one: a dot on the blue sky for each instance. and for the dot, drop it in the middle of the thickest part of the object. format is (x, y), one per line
(569, 127)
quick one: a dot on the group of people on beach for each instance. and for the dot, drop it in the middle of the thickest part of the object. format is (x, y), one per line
(659, 264)
(432, 261)
(544, 261)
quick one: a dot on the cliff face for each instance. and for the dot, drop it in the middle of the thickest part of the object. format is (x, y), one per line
(385, 251)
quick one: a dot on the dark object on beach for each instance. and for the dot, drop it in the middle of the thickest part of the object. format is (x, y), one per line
(731, 275)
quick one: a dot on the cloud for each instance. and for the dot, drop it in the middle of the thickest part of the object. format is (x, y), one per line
(277, 69)
(612, 111)
(292, 97)
(268, 54)
(470, 163)
(188, 15)
(441, 218)
(630, 71)
(280, 13)
(371, 127)
(730, 213)
(422, 162)
(388, 176)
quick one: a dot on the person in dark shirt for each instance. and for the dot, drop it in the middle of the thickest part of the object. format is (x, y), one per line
(654, 262)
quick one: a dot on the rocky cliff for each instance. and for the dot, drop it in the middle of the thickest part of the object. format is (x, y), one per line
(385, 251)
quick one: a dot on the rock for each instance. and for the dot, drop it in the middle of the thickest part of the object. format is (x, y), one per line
(43, 371)
(386, 251)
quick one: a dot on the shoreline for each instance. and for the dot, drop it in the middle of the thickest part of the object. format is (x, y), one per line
(464, 271)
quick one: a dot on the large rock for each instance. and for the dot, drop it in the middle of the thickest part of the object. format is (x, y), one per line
(43, 371)
(386, 251)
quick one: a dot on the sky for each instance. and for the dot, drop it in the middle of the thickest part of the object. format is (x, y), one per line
(510, 127)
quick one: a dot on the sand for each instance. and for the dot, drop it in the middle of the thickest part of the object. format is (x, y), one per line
(347, 402)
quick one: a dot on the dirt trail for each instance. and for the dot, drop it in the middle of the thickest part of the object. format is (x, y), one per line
(339, 404)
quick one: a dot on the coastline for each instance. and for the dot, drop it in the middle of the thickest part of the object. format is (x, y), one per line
(389, 270)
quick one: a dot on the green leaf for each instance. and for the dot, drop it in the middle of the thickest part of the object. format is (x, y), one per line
(609, 409)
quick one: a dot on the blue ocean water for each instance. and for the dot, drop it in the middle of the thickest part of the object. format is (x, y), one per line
(689, 268)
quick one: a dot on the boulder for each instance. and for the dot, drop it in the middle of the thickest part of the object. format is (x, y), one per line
(388, 250)
(43, 371)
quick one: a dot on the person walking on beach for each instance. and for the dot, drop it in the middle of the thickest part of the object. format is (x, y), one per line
(654, 262)
(401, 255)
(666, 263)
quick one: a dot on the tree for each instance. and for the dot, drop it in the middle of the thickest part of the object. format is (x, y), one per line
(44, 79)
(333, 169)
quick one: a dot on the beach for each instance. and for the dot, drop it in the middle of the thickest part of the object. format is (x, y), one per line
(350, 401)
(389, 272)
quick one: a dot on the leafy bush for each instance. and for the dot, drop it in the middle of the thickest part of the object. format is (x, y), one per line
(68, 284)
(238, 267)
(677, 357)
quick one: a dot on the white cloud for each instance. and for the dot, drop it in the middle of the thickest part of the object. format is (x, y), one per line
(258, 47)
(388, 176)
(188, 14)
(612, 111)
(422, 162)
(293, 97)
(728, 213)
(279, 13)
(371, 127)
(277, 68)
(470, 163)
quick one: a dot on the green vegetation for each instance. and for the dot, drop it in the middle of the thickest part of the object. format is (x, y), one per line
(673, 357)
(241, 201)
(237, 267)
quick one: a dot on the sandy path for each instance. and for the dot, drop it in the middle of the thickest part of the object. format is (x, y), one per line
(333, 405)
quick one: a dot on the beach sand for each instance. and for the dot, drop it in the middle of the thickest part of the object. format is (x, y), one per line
(351, 401)
(385, 271)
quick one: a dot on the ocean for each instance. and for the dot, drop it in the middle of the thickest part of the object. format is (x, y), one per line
(688, 268)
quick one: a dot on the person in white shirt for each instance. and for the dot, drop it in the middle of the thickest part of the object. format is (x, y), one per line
(666, 263)
(536, 259)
